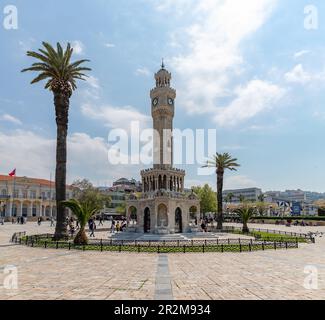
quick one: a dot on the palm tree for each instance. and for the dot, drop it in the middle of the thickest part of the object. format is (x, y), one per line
(61, 75)
(221, 162)
(83, 212)
(245, 212)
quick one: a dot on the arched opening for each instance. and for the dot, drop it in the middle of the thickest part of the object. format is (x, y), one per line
(14, 210)
(48, 211)
(178, 221)
(132, 216)
(193, 214)
(162, 219)
(146, 221)
(34, 210)
(25, 210)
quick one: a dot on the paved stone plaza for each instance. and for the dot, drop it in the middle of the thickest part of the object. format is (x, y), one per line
(59, 274)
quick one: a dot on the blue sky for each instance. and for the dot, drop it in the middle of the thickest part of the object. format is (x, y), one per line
(246, 68)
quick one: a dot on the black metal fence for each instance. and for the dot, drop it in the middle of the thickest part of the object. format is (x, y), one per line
(156, 246)
(230, 229)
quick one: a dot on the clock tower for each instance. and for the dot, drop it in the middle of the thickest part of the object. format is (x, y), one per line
(163, 111)
(164, 206)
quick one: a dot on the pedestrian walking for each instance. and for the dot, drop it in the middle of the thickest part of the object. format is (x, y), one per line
(113, 227)
(52, 222)
(92, 227)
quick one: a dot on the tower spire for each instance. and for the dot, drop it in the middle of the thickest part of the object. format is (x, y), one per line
(162, 64)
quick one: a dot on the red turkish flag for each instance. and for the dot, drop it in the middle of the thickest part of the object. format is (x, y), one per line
(12, 173)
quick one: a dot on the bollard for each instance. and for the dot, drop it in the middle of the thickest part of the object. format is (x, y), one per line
(101, 245)
(184, 248)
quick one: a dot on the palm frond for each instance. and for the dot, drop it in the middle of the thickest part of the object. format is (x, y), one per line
(54, 63)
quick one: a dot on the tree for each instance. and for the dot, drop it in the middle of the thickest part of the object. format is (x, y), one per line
(221, 162)
(229, 197)
(262, 208)
(241, 198)
(261, 197)
(207, 198)
(85, 192)
(321, 207)
(245, 212)
(83, 212)
(61, 75)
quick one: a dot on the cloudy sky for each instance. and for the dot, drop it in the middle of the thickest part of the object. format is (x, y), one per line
(249, 69)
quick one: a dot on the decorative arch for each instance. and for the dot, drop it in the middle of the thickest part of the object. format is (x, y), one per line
(132, 215)
(162, 217)
(146, 221)
(178, 221)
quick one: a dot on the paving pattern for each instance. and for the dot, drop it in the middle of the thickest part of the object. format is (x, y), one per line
(59, 274)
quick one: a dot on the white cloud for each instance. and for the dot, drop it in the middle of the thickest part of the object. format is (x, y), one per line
(10, 118)
(238, 182)
(256, 97)
(213, 41)
(115, 117)
(143, 71)
(109, 45)
(298, 75)
(34, 156)
(78, 47)
(93, 82)
(301, 53)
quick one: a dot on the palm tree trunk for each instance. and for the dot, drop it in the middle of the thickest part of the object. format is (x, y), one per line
(245, 227)
(81, 237)
(219, 198)
(61, 101)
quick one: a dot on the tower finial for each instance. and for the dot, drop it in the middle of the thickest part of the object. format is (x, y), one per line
(162, 64)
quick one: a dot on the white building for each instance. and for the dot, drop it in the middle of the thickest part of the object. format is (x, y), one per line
(248, 194)
(28, 197)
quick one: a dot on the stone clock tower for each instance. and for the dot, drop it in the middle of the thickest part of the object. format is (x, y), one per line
(163, 111)
(163, 207)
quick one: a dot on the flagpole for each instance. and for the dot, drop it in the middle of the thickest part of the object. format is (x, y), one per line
(13, 196)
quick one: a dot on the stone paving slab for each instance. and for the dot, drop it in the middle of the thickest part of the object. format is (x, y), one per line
(59, 274)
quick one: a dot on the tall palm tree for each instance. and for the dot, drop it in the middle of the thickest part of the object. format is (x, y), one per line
(61, 75)
(245, 212)
(221, 162)
(83, 212)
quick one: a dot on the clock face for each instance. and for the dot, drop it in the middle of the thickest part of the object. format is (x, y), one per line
(155, 101)
(170, 101)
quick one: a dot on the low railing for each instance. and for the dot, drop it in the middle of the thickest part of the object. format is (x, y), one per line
(231, 229)
(158, 246)
(17, 236)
